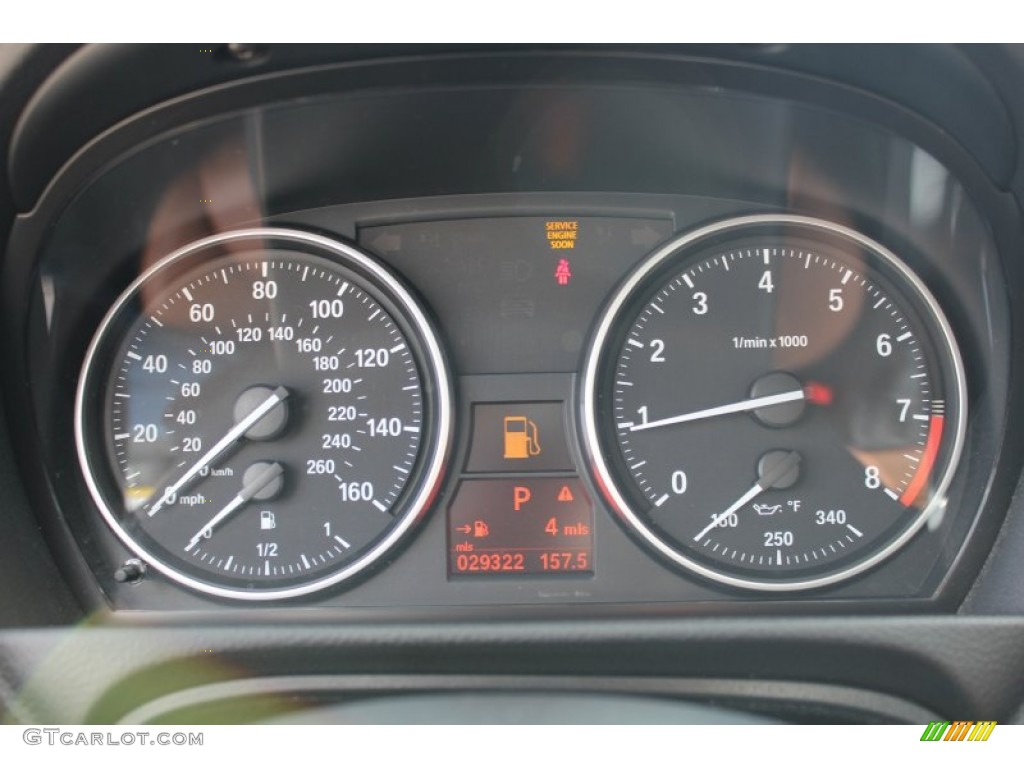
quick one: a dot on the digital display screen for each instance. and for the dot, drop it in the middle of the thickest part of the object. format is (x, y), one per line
(520, 526)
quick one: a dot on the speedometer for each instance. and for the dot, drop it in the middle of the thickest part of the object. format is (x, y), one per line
(263, 414)
(774, 402)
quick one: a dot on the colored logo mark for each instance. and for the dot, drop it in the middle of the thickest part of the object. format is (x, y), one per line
(958, 730)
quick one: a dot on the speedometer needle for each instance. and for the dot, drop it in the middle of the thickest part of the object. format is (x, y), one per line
(751, 404)
(771, 475)
(261, 481)
(234, 435)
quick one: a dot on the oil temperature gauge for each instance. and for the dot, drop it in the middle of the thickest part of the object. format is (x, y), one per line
(774, 402)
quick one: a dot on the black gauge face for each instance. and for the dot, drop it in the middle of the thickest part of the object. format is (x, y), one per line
(774, 402)
(264, 422)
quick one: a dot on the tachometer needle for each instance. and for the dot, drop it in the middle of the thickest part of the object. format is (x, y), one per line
(234, 435)
(751, 404)
(258, 483)
(771, 475)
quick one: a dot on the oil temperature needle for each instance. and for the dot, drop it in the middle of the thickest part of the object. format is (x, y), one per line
(243, 497)
(771, 475)
(234, 434)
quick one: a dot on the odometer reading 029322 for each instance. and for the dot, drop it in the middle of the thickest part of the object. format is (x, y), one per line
(263, 414)
(774, 402)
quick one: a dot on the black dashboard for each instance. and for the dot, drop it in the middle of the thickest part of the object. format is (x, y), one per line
(339, 374)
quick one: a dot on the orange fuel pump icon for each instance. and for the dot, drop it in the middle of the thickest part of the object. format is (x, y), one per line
(521, 440)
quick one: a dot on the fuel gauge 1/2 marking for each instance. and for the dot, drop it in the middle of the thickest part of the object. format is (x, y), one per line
(774, 402)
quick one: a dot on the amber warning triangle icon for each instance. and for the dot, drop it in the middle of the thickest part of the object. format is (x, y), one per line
(565, 494)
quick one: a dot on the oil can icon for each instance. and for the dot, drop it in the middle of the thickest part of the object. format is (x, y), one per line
(521, 440)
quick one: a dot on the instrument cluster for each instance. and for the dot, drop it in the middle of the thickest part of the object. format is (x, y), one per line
(340, 351)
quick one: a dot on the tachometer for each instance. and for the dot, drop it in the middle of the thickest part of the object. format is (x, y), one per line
(263, 414)
(774, 402)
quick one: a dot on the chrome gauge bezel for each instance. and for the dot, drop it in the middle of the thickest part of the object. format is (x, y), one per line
(437, 391)
(614, 313)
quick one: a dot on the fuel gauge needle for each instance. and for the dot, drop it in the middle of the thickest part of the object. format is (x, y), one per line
(234, 435)
(771, 475)
(244, 496)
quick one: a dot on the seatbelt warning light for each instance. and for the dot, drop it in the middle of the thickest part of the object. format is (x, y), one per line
(563, 272)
